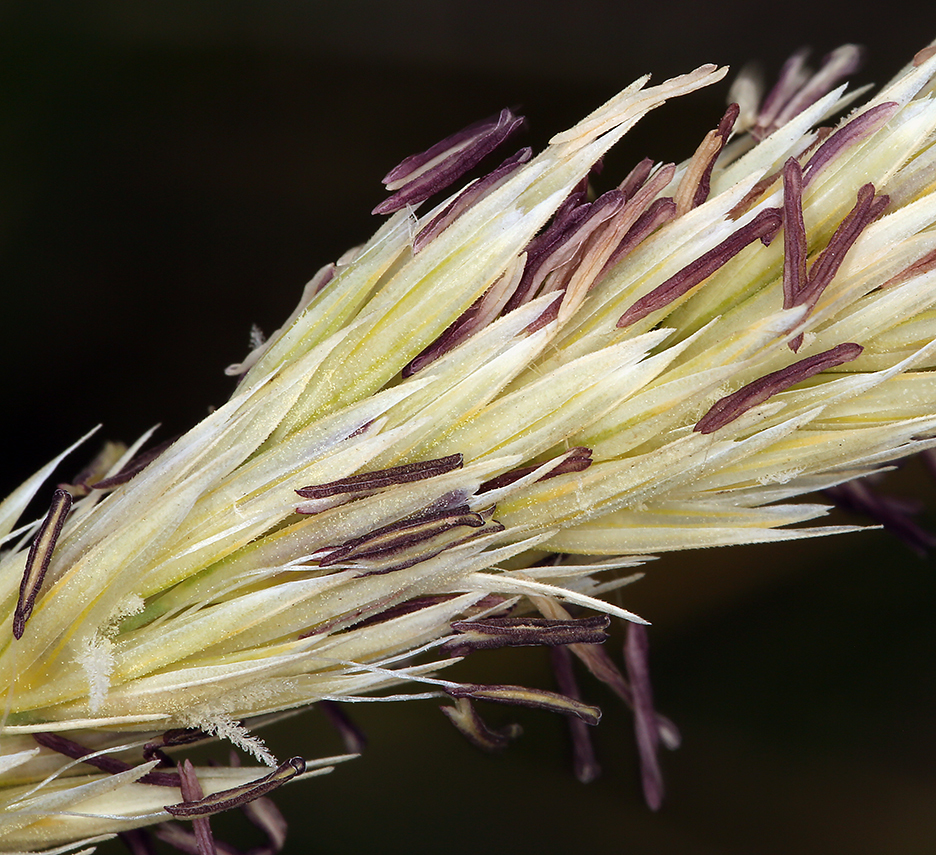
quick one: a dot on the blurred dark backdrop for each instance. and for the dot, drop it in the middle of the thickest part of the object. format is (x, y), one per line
(172, 172)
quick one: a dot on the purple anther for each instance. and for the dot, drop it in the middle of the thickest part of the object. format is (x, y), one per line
(584, 761)
(636, 177)
(468, 197)
(367, 481)
(576, 459)
(421, 175)
(836, 67)
(492, 633)
(722, 132)
(858, 129)
(192, 792)
(558, 245)
(733, 406)
(763, 227)
(524, 697)
(636, 658)
(867, 209)
(794, 234)
(237, 796)
(68, 748)
(660, 212)
(922, 265)
(793, 75)
(37, 561)
(133, 467)
(453, 335)
(394, 538)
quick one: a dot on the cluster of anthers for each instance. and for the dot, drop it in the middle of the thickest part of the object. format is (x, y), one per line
(488, 412)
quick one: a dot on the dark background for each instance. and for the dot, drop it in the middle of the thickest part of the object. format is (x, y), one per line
(172, 172)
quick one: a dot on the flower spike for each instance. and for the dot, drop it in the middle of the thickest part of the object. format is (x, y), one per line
(485, 417)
